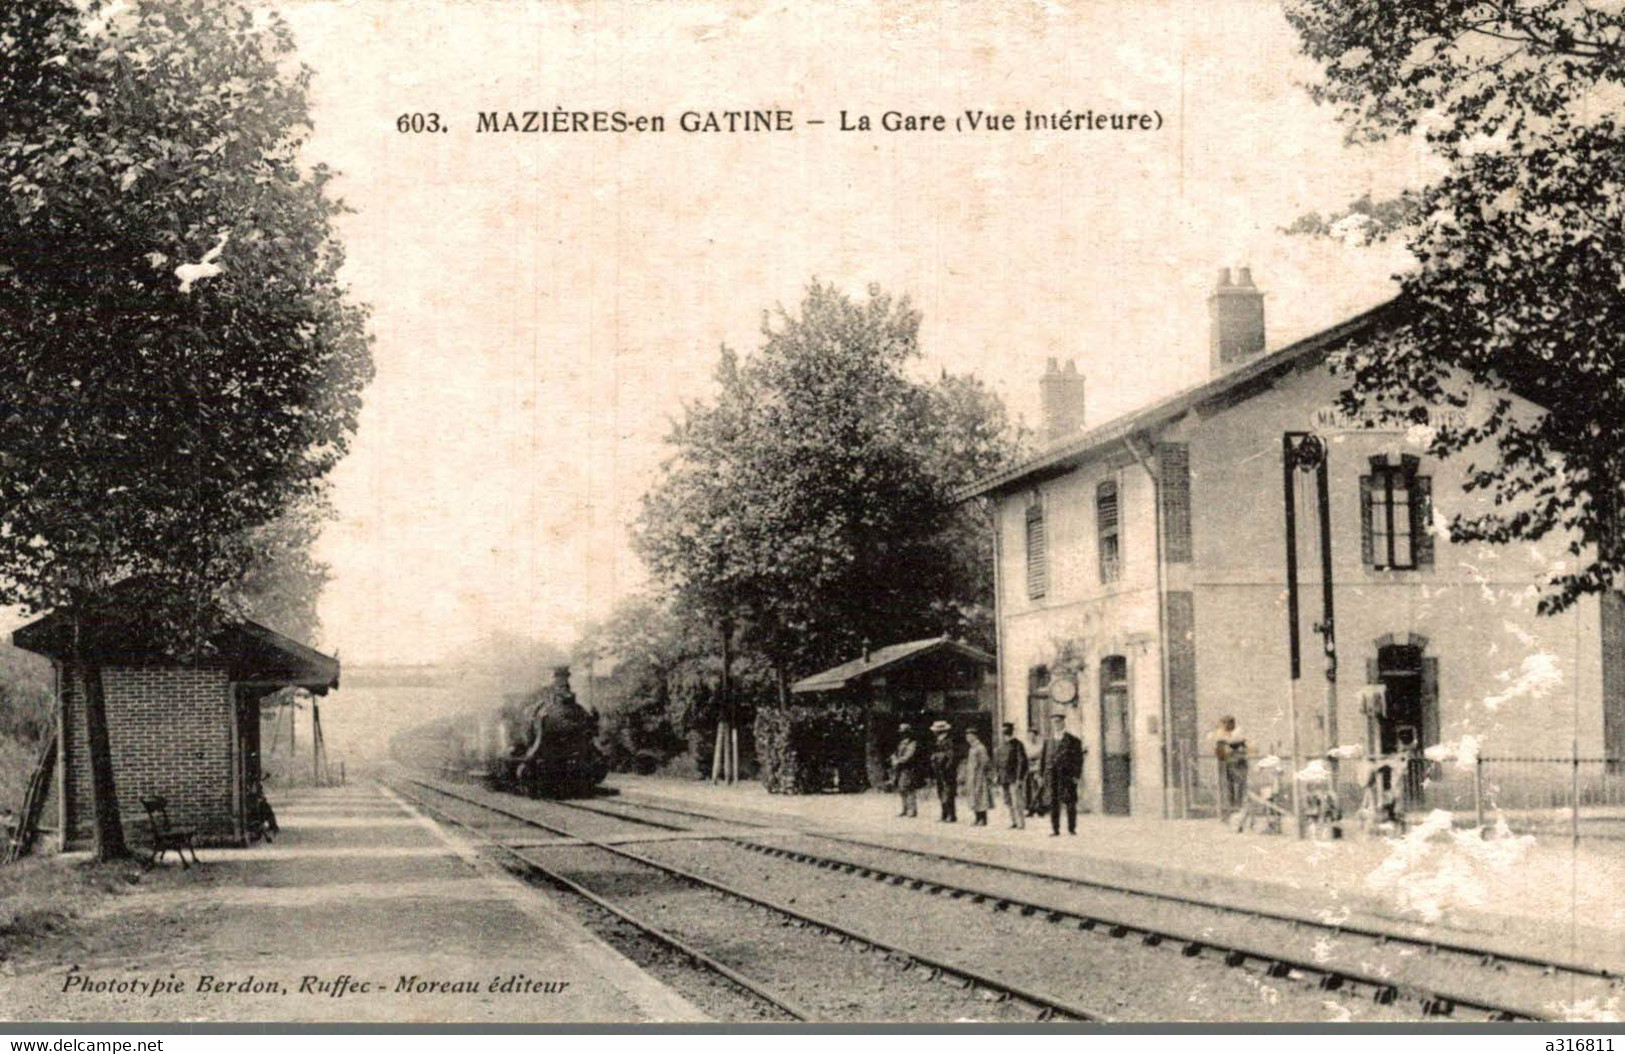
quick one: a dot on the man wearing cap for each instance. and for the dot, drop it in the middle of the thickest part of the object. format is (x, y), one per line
(945, 769)
(1013, 775)
(905, 770)
(1062, 766)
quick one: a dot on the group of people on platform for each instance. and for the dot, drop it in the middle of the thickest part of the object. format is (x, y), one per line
(1035, 777)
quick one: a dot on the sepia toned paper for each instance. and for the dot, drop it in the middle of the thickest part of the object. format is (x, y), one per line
(562, 217)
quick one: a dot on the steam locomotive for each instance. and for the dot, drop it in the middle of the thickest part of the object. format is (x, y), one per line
(542, 746)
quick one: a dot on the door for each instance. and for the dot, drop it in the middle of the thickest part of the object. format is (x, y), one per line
(1116, 757)
(1409, 723)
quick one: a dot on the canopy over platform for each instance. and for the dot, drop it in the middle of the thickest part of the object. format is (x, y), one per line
(255, 655)
(890, 659)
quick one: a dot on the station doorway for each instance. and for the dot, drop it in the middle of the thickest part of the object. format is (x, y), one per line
(1116, 752)
(1408, 721)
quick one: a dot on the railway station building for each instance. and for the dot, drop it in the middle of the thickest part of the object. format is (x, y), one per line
(1142, 585)
(187, 731)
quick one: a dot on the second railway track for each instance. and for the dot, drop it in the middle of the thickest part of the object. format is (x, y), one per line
(1432, 978)
(1050, 957)
(807, 967)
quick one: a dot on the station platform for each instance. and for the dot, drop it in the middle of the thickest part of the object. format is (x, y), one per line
(361, 910)
(1513, 894)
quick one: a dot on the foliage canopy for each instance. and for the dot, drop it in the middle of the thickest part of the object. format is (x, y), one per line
(1517, 292)
(811, 503)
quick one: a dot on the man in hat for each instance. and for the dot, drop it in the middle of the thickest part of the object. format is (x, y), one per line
(1062, 767)
(1013, 775)
(945, 769)
(905, 770)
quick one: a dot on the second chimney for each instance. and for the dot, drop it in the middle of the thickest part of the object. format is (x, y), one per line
(1062, 393)
(1236, 310)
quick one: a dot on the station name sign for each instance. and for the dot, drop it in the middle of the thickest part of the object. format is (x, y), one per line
(1333, 418)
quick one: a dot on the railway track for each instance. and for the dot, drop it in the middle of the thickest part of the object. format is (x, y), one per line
(1489, 998)
(975, 991)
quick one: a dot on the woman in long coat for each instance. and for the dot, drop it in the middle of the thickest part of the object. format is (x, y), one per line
(978, 778)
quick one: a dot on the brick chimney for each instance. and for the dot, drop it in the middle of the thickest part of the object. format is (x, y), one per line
(1236, 309)
(1062, 392)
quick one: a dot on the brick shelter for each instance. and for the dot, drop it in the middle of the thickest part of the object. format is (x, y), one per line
(188, 731)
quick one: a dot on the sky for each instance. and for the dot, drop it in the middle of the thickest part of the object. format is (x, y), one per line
(544, 304)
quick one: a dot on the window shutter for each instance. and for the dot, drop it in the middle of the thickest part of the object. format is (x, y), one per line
(1422, 520)
(1367, 546)
(1430, 710)
(1174, 460)
(1037, 554)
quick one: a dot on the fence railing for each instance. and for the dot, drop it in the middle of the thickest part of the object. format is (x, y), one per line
(1579, 796)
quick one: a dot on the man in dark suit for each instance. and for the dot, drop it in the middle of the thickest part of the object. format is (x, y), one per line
(1061, 765)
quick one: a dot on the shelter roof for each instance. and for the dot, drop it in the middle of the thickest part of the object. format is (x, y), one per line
(256, 654)
(893, 655)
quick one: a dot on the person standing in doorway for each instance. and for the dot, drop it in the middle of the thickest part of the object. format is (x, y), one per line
(1037, 800)
(1230, 753)
(1013, 770)
(945, 769)
(906, 771)
(978, 777)
(1062, 767)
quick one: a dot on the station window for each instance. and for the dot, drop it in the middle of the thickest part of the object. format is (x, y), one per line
(1107, 523)
(1396, 510)
(1037, 552)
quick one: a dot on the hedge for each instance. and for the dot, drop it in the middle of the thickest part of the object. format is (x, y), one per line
(812, 749)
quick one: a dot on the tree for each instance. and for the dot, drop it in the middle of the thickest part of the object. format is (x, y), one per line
(181, 362)
(663, 682)
(284, 579)
(1518, 285)
(812, 502)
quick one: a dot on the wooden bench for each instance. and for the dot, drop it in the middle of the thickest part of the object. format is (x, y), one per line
(166, 837)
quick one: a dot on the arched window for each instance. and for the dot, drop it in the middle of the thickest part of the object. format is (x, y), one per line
(1037, 697)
